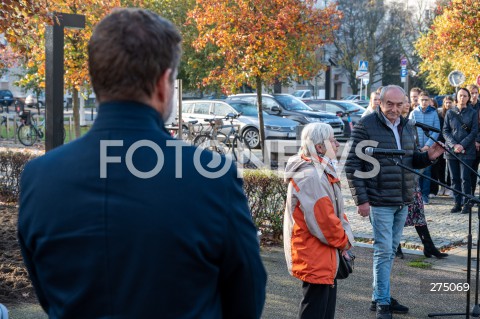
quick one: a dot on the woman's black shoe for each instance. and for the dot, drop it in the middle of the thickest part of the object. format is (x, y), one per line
(429, 252)
(429, 248)
(456, 209)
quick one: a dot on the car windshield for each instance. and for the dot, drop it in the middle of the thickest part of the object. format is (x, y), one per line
(298, 93)
(350, 107)
(246, 109)
(291, 103)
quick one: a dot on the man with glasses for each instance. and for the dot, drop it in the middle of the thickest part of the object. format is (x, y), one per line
(427, 114)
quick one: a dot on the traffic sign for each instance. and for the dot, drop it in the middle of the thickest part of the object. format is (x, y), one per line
(403, 73)
(362, 75)
(478, 80)
(363, 66)
(403, 62)
(456, 78)
(365, 81)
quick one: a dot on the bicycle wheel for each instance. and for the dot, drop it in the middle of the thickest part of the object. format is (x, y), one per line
(205, 141)
(242, 151)
(27, 134)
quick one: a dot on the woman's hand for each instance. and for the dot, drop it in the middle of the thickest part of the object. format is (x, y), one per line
(458, 148)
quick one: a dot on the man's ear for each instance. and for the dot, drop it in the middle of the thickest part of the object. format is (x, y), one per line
(164, 86)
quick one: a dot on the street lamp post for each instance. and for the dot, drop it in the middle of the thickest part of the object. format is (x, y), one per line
(54, 71)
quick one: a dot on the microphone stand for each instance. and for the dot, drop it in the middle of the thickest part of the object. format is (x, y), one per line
(476, 308)
(427, 134)
(469, 241)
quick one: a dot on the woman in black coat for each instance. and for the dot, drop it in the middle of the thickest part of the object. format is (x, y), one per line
(460, 130)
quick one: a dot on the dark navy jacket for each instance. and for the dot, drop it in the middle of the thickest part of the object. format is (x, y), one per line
(454, 133)
(175, 244)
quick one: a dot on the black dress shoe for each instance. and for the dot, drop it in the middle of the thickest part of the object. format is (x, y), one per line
(384, 312)
(395, 306)
(456, 209)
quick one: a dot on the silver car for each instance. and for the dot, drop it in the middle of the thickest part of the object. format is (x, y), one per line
(275, 127)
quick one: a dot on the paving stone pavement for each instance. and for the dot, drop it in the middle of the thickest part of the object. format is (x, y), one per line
(446, 229)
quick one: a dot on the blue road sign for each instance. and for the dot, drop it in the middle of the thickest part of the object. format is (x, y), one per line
(363, 66)
(403, 73)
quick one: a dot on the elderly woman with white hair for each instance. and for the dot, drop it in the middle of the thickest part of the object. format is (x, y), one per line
(316, 230)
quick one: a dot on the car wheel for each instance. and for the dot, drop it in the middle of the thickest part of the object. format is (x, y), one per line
(252, 137)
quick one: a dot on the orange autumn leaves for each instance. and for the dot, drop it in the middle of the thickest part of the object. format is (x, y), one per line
(275, 40)
(451, 44)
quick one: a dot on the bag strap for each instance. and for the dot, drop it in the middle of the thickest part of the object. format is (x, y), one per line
(459, 118)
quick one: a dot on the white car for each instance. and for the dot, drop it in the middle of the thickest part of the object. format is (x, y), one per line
(275, 127)
(303, 94)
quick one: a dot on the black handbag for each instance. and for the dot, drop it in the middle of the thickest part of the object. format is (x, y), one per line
(345, 267)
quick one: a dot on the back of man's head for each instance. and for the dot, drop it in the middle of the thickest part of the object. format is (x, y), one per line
(129, 51)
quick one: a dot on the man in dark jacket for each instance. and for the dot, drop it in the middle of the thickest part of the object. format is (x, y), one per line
(382, 190)
(127, 222)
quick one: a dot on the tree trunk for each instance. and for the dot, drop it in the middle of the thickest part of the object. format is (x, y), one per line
(76, 113)
(260, 115)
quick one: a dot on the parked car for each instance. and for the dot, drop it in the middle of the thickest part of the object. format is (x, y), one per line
(303, 94)
(288, 106)
(342, 109)
(31, 100)
(6, 97)
(362, 103)
(354, 97)
(275, 127)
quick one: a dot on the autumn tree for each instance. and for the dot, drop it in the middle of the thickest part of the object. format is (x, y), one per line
(76, 63)
(16, 17)
(451, 44)
(194, 66)
(258, 42)
(361, 36)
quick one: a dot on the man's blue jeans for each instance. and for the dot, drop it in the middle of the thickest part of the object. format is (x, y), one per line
(425, 184)
(387, 223)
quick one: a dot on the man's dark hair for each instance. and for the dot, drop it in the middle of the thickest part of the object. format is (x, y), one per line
(129, 51)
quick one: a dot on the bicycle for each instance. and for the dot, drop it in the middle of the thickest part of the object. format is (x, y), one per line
(29, 131)
(240, 148)
(213, 140)
(233, 142)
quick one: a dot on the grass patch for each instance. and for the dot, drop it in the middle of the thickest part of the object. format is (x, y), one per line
(420, 263)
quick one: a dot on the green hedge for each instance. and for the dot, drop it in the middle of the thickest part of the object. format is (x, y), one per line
(11, 167)
(266, 193)
(265, 190)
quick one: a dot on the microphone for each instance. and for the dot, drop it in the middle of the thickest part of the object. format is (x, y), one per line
(423, 126)
(383, 151)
